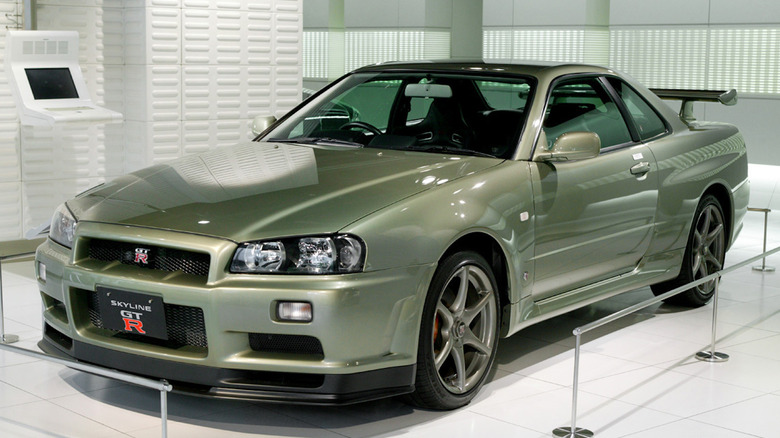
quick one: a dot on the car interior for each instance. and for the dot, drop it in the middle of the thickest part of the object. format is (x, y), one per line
(472, 116)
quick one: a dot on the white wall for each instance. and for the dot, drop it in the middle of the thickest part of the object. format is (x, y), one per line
(755, 114)
(10, 165)
(189, 75)
(541, 30)
(341, 35)
(660, 42)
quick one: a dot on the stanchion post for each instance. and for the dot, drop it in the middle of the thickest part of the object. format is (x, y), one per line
(763, 267)
(164, 407)
(574, 431)
(4, 338)
(712, 355)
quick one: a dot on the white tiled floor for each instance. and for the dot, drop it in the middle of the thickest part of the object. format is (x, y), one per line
(638, 375)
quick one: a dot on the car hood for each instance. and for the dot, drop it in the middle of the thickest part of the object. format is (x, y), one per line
(267, 190)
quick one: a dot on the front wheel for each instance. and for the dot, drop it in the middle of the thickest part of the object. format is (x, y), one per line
(458, 334)
(704, 255)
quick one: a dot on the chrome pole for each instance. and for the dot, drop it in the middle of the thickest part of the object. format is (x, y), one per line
(712, 355)
(164, 407)
(4, 339)
(763, 267)
(573, 431)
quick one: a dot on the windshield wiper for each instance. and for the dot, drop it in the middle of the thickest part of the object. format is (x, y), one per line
(450, 150)
(316, 140)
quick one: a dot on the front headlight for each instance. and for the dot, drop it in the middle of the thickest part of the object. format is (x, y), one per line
(341, 254)
(63, 227)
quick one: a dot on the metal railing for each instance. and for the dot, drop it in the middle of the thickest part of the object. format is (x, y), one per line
(160, 385)
(710, 356)
(20, 249)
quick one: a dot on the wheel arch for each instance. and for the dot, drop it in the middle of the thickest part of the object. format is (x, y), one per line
(722, 194)
(488, 247)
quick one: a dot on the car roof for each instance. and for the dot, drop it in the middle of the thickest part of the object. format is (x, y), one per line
(538, 69)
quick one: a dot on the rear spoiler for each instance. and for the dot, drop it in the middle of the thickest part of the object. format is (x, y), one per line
(689, 96)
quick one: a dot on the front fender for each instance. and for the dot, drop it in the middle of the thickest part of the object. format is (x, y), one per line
(419, 230)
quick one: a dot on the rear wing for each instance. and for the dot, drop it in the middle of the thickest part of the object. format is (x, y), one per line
(689, 96)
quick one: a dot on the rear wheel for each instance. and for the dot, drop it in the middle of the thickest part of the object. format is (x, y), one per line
(458, 334)
(704, 255)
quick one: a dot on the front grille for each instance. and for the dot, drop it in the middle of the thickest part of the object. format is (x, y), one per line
(184, 324)
(293, 344)
(158, 257)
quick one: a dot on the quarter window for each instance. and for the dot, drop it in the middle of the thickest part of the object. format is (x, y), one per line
(648, 123)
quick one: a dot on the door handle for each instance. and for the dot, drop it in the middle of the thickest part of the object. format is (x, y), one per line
(640, 169)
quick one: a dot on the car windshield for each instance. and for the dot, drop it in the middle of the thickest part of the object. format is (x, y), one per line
(450, 113)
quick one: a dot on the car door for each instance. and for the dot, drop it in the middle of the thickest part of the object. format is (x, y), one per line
(594, 218)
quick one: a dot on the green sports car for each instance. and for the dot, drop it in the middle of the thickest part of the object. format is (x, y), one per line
(379, 239)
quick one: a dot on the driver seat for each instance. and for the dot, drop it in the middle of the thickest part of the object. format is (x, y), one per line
(443, 125)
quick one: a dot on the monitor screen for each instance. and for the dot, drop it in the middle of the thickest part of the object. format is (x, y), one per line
(51, 83)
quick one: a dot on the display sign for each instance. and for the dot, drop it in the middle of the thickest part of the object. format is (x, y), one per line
(51, 83)
(46, 79)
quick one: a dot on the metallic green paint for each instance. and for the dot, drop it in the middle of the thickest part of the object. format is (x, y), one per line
(266, 190)
(566, 233)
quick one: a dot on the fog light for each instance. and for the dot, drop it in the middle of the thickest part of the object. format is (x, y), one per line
(291, 311)
(42, 272)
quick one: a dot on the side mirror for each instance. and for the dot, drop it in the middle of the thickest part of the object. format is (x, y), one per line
(261, 123)
(571, 146)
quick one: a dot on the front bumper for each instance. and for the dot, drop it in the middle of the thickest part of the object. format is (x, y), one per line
(365, 325)
(322, 389)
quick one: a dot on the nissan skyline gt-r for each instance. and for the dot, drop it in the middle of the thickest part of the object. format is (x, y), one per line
(380, 238)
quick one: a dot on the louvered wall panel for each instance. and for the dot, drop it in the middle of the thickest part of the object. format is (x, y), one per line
(8, 112)
(153, 93)
(189, 75)
(215, 92)
(59, 162)
(10, 210)
(106, 85)
(203, 135)
(153, 35)
(240, 59)
(100, 29)
(39, 196)
(151, 143)
(10, 168)
(288, 56)
(10, 145)
(63, 151)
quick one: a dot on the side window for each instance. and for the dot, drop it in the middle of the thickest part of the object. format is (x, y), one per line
(582, 104)
(648, 123)
(504, 95)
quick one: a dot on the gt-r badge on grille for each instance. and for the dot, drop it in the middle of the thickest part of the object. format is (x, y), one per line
(141, 256)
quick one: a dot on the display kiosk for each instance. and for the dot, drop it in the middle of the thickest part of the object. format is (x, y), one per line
(47, 83)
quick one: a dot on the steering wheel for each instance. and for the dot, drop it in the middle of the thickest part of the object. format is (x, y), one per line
(362, 125)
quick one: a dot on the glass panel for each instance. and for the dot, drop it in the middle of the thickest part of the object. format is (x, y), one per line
(503, 95)
(584, 105)
(436, 112)
(648, 123)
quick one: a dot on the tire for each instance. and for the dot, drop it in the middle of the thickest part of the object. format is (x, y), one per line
(704, 255)
(458, 333)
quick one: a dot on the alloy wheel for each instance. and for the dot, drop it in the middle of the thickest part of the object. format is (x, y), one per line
(708, 246)
(464, 334)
